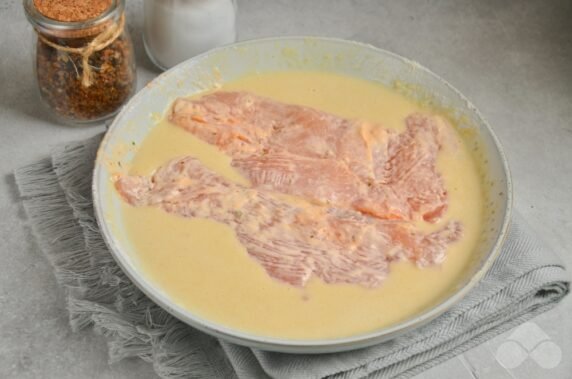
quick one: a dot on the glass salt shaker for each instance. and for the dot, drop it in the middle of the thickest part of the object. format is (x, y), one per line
(84, 60)
(176, 30)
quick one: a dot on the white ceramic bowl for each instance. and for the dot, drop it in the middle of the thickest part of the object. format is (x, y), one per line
(307, 53)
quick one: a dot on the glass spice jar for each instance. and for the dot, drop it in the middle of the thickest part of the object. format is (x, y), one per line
(84, 60)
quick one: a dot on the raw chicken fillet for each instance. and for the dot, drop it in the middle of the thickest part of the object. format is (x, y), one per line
(292, 243)
(305, 152)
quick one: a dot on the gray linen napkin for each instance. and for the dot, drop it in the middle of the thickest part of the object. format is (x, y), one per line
(527, 279)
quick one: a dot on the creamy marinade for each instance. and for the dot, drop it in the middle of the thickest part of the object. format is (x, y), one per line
(201, 264)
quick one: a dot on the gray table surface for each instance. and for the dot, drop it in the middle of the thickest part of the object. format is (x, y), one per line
(512, 58)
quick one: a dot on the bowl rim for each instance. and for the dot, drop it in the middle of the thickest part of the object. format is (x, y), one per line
(284, 344)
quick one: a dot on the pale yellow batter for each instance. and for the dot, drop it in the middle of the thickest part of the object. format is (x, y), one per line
(203, 267)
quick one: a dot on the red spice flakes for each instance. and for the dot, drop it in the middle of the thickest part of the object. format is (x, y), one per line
(72, 10)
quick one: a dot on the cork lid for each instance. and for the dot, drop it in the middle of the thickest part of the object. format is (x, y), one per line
(72, 10)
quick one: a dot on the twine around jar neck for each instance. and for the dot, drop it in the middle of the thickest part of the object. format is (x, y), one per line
(100, 42)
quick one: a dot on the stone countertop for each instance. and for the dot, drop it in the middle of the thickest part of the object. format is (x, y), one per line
(512, 59)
